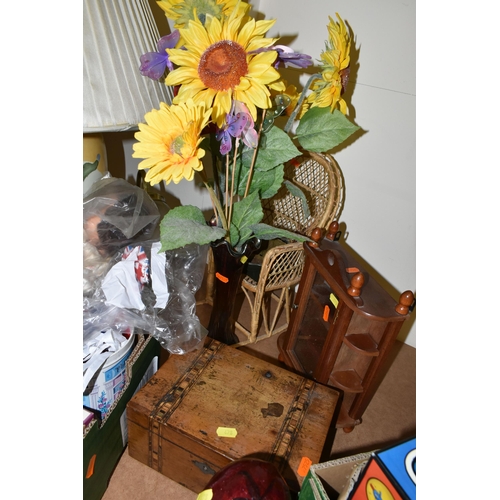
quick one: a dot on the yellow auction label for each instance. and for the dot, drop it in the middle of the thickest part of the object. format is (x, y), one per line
(227, 432)
(205, 495)
(334, 300)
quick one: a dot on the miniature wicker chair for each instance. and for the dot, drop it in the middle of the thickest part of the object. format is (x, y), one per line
(320, 179)
(281, 270)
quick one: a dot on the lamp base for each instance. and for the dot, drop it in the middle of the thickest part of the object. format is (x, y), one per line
(93, 145)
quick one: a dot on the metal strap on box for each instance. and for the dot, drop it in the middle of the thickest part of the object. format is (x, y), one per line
(292, 424)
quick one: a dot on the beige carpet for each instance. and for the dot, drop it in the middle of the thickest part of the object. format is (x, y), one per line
(390, 417)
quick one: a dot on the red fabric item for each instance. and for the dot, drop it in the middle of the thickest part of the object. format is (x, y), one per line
(249, 479)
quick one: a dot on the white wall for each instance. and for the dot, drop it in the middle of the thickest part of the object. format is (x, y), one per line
(380, 166)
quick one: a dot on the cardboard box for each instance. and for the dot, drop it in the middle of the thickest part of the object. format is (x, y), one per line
(333, 480)
(205, 409)
(103, 443)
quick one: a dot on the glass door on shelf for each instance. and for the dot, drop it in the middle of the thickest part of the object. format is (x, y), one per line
(315, 324)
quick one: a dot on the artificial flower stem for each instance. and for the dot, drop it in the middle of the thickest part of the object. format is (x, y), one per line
(290, 121)
(215, 169)
(227, 186)
(236, 146)
(250, 173)
(217, 206)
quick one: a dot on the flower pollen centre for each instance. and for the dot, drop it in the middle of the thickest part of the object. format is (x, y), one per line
(222, 65)
(176, 145)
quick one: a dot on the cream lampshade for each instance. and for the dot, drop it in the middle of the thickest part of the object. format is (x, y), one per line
(115, 94)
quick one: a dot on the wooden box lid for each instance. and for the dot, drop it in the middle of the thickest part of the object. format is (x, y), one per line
(278, 415)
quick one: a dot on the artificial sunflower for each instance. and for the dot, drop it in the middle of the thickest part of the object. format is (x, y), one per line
(182, 11)
(328, 90)
(169, 142)
(218, 65)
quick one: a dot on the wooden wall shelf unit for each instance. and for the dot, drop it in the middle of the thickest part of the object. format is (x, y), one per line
(343, 325)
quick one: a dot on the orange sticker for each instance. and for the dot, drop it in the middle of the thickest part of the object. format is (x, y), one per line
(222, 278)
(352, 269)
(90, 468)
(326, 312)
(304, 465)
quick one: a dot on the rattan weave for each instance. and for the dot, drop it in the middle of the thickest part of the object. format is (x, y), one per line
(281, 270)
(320, 179)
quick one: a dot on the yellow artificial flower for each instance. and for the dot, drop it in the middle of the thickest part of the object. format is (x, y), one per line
(169, 142)
(336, 60)
(217, 65)
(182, 11)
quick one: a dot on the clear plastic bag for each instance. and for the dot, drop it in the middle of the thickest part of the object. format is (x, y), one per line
(127, 282)
(178, 325)
(117, 214)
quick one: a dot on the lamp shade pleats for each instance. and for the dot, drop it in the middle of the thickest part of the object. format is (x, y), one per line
(115, 94)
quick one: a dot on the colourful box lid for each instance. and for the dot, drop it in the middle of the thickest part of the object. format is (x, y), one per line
(400, 462)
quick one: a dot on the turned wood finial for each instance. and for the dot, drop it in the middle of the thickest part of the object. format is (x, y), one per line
(405, 301)
(357, 282)
(332, 230)
(315, 236)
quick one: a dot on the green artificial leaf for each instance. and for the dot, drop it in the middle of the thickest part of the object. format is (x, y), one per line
(239, 238)
(278, 149)
(319, 130)
(266, 232)
(267, 183)
(271, 181)
(184, 225)
(234, 235)
(296, 191)
(88, 167)
(245, 213)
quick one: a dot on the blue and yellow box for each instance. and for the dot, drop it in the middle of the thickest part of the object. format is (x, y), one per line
(390, 474)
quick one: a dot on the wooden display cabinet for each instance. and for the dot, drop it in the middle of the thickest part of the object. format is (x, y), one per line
(343, 325)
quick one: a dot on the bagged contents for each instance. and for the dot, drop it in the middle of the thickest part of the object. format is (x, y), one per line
(127, 282)
(117, 214)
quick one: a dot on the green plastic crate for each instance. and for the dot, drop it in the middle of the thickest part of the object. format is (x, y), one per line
(103, 445)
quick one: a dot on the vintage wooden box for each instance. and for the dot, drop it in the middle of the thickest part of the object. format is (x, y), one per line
(275, 414)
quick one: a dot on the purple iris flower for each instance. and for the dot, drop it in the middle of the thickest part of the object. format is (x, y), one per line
(239, 123)
(153, 64)
(287, 57)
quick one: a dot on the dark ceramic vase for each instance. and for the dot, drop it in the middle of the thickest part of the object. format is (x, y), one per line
(229, 266)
